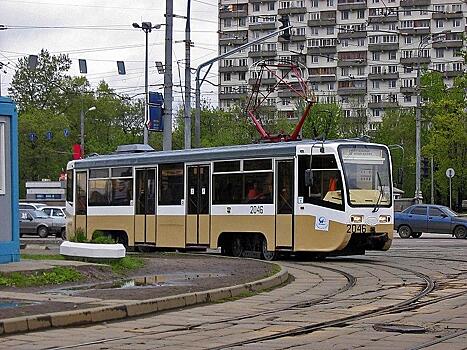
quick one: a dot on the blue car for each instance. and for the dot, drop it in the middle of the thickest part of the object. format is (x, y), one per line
(429, 218)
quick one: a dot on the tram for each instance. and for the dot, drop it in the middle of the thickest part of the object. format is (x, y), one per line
(321, 197)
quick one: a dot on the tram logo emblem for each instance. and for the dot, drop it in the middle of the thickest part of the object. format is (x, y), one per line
(322, 224)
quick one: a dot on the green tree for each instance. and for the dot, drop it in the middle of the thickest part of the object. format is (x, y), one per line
(324, 120)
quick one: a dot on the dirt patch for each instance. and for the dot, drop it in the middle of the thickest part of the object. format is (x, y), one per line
(162, 275)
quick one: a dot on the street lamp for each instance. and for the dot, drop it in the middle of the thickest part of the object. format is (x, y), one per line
(146, 27)
(82, 115)
(424, 41)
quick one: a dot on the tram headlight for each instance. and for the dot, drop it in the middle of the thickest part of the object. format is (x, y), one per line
(356, 219)
(383, 219)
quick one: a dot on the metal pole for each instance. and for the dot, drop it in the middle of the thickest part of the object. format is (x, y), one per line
(146, 93)
(187, 80)
(167, 142)
(81, 115)
(210, 62)
(450, 191)
(418, 197)
(432, 181)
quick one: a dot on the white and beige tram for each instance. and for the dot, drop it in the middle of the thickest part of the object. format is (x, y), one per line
(332, 197)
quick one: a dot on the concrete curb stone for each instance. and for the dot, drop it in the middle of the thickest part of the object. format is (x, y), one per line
(134, 308)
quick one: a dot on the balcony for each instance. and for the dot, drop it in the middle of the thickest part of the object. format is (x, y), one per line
(291, 10)
(233, 14)
(234, 38)
(414, 3)
(448, 15)
(233, 69)
(352, 34)
(351, 5)
(351, 91)
(352, 63)
(321, 78)
(322, 50)
(232, 96)
(383, 104)
(415, 60)
(383, 47)
(287, 93)
(326, 18)
(415, 31)
(383, 76)
(446, 44)
(262, 53)
(410, 90)
(383, 19)
(264, 81)
(262, 26)
(453, 73)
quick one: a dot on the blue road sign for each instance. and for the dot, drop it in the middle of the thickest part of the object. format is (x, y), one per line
(156, 122)
(66, 132)
(49, 135)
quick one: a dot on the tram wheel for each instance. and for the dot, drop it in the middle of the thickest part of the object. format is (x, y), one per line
(460, 232)
(416, 234)
(236, 245)
(265, 253)
(404, 231)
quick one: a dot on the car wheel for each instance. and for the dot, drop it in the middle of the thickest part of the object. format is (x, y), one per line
(460, 232)
(43, 232)
(404, 231)
(416, 234)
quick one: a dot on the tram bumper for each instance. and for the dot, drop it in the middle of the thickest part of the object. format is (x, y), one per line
(375, 240)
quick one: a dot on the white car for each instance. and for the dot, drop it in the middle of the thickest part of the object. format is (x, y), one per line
(55, 212)
(33, 206)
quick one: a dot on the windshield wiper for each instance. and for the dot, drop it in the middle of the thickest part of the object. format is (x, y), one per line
(381, 193)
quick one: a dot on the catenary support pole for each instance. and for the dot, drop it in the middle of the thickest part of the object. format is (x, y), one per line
(146, 93)
(187, 79)
(168, 83)
(432, 181)
(418, 126)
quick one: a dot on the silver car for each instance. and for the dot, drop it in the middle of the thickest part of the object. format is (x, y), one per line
(36, 222)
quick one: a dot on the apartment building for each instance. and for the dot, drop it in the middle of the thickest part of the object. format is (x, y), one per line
(362, 54)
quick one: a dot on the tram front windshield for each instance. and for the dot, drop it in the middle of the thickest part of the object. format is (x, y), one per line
(367, 175)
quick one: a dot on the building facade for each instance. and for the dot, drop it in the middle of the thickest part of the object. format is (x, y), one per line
(361, 54)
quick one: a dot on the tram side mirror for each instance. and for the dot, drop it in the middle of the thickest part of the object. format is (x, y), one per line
(308, 177)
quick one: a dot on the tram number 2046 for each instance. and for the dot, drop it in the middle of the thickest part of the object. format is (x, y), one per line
(256, 210)
(356, 228)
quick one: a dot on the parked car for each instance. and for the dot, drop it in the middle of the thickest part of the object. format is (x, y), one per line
(33, 206)
(55, 212)
(37, 222)
(429, 218)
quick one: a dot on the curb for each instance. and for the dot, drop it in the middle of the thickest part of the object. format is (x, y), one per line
(135, 308)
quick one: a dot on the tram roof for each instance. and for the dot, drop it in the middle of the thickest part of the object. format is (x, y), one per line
(259, 150)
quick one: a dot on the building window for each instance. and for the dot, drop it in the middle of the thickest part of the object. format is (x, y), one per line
(242, 22)
(408, 39)
(227, 22)
(361, 14)
(376, 56)
(375, 84)
(407, 98)
(2, 159)
(256, 7)
(330, 3)
(329, 30)
(241, 76)
(344, 14)
(171, 185)
(392, 55)
(301, 18)
(392, 84)
(345, 42)
(227, 76)
(271, 6)
(439, 23)
(439, 53)
(456, 22)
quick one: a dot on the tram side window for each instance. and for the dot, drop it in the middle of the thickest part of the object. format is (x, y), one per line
(99, 192)
(258, 188)
(171, 185)
(228, 188)
(326, 189)
(81, 193)
(69, 186)
(121, 186)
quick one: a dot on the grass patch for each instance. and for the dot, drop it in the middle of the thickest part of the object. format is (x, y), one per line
(57, 275)
(42, 257)
(125, 264)
(240, 296)
(275, 269)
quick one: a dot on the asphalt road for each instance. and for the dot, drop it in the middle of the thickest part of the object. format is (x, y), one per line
(411, 297)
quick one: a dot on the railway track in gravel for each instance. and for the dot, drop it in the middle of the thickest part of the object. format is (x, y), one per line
(428, 286)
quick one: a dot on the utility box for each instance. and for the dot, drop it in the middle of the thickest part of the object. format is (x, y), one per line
(9, 182)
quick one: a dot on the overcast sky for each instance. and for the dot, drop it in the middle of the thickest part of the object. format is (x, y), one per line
(113, 39)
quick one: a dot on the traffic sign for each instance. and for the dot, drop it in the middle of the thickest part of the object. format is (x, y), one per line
(450, 172)
(66, 132)
(32, 137)
(48, 135)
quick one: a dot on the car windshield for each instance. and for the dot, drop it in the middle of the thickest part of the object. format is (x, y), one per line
(39, 214)
(450, 212)
(367, 175)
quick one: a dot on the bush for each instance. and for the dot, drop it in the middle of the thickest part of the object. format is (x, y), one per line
(100, 237)
(79, 236)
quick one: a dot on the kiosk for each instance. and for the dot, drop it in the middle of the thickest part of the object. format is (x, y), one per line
(9, 223)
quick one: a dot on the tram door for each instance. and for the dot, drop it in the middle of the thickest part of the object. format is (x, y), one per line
(145, 206)
(81, 195)
(284, 203)
(197, 222)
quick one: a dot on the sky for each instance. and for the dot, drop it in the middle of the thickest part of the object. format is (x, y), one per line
(108, 37)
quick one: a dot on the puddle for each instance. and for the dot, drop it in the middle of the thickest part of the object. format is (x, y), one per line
(155, 281)
(6, 304)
